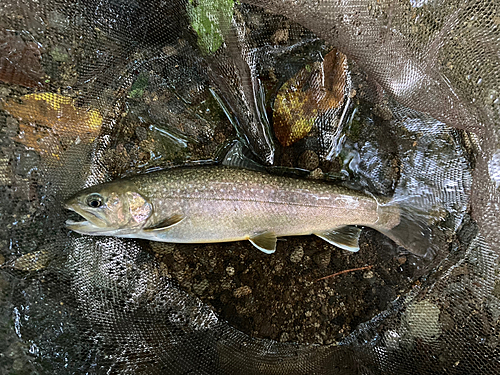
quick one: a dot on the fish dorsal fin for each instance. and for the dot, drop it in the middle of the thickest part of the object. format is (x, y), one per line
(265, 242)
(344, 237)
(168, 222)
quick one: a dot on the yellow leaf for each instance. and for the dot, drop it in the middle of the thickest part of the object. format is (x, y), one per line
(49, 123)
(32, 261)
(311, 92)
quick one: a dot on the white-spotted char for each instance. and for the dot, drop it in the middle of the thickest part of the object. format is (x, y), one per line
(218, 204)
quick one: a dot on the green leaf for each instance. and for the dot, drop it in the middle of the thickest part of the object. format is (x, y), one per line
(139, 85)
(208, 17)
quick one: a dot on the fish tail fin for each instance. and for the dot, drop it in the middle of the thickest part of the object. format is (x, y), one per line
(417, 231)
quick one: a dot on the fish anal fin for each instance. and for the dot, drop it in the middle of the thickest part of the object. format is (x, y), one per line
(265, 241)
(168, 222)
(344, 237)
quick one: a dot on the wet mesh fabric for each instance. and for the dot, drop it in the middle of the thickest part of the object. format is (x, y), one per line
(95, 90)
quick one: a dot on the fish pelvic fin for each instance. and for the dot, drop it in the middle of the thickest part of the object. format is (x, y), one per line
(168, 222)
(344, 237)
(265, 242)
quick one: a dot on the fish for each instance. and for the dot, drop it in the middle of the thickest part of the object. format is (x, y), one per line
(210, 204)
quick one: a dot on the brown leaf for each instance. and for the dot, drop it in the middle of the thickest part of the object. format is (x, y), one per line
(20, 61)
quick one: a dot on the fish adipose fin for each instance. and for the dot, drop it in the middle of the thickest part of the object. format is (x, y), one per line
(344, 237)
(168, 222)
(265, 242)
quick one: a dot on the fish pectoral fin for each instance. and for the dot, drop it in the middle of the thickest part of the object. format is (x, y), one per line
(344, 237)
(265, 242)
(168, 222)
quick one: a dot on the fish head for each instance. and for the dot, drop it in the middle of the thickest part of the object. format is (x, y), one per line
(111, 209)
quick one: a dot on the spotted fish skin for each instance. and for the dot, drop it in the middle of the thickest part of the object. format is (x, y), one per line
(218, 204)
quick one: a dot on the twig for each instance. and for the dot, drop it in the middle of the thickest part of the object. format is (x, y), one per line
(345, 271)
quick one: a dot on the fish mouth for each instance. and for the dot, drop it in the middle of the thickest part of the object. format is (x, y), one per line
(91, 225)
(84, 227)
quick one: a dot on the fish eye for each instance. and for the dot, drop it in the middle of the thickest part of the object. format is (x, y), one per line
(94, 200)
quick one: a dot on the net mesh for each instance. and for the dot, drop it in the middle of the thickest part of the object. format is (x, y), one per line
(399, 99)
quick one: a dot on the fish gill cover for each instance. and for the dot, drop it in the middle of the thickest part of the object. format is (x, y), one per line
(396, 99)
